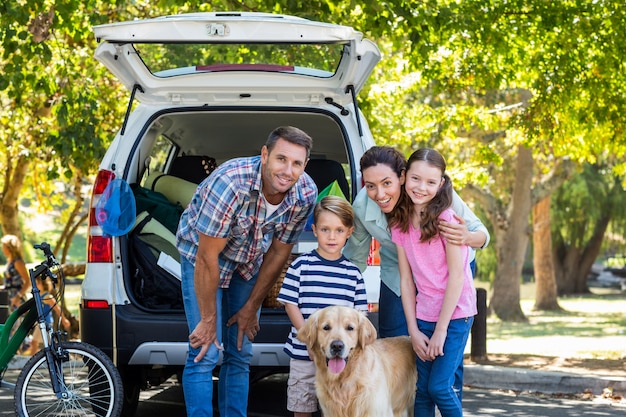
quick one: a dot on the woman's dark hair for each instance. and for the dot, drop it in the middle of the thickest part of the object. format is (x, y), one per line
(384, 155)
(401, 214)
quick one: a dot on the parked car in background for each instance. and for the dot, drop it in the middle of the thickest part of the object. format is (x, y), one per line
(210, 87)
(613, 277)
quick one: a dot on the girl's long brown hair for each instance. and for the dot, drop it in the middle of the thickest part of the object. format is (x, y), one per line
(401, 214)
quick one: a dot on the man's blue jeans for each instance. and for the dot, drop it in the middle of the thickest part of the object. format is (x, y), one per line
(436, 379)
(234, 373)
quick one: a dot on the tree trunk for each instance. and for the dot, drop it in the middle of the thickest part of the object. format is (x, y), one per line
(74, 269)
(568, 265)
(575, 263)
(74, 220)
(545, 279)
(511, 243)
(14, 180)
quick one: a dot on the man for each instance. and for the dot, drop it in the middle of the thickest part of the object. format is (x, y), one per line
(244, 206)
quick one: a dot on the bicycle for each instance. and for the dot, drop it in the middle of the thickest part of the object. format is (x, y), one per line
(65, 378)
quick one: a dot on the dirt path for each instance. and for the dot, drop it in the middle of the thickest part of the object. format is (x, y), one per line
(583, 366)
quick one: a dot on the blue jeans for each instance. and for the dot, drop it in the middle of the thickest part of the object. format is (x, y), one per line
(391, 320)
(436, 381)
(233, 384)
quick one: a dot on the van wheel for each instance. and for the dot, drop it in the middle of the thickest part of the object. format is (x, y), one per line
(131, 378)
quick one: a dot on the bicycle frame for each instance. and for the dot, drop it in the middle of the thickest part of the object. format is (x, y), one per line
(65, 378)
(32, 311)
(10, 344)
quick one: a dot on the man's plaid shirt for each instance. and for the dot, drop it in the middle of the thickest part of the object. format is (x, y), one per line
(228, 204)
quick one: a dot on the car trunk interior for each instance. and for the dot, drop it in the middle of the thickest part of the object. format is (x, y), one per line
(219, 135)
(227, 134)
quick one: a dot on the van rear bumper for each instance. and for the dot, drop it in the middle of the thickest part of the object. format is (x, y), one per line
(160, 338)
(175, 353)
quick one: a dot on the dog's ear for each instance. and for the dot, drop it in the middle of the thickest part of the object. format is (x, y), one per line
(367, 331)
(308, 332)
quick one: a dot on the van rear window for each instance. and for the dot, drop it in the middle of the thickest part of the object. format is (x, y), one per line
(170, 60)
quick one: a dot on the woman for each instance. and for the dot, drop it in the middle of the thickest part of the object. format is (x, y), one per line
(16, 279)
(383, 169)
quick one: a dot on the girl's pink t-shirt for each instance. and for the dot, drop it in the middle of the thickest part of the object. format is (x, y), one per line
(429, 265)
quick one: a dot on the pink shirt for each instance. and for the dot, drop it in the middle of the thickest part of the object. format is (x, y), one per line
(430, 272)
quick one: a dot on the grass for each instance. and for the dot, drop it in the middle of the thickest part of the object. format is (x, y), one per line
(43, 227)
(589, 326)
(72, 298)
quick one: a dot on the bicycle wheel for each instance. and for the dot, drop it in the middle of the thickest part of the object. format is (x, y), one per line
(94, 386)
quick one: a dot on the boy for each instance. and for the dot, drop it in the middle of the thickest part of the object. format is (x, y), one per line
(318, 279)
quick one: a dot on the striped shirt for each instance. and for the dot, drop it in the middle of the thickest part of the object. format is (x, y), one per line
(312, 283)
(228, 204)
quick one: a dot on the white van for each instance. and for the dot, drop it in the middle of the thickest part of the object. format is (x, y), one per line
(205, 88)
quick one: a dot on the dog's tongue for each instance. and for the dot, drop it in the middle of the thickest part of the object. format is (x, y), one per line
(336, 365)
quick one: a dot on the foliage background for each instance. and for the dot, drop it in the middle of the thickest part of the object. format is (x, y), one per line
(524, 97)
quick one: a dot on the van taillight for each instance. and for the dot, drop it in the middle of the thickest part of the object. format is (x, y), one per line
(99, 247)
(102, 180)
(100, 304)
(374, 257)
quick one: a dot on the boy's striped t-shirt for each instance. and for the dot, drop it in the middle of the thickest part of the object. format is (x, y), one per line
(312, 282)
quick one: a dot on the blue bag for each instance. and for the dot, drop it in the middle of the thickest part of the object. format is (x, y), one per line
(115, 211)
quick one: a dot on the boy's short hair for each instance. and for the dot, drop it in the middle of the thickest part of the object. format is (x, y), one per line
(336, 205)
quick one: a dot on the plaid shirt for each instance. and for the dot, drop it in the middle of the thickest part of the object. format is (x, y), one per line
(228, 204)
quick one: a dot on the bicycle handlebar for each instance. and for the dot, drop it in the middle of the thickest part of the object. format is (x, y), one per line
(50, 260)
(45, 247)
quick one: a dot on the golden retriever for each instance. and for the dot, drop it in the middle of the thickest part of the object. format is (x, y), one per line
(358, 375)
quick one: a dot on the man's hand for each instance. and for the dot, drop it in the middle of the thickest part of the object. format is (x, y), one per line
(269, 271)
(202, 336)
(247, 323)
(456, 234)
(206, 281)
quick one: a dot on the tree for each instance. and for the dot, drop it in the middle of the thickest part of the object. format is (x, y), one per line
(545, 292)
(564, 55)
(58, 119)
(479, 79)
(505, 298)
(587, 205)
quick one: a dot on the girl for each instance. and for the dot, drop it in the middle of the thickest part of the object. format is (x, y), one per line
(438, 295)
